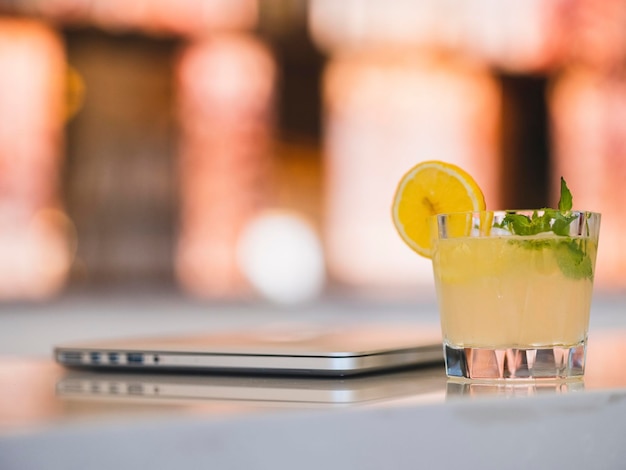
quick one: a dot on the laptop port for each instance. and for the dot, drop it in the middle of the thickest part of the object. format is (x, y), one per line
(134, 358)
(94, 357)
(71, 357)
(114, 358)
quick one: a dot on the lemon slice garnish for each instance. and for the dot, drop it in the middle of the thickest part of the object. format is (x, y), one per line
(427, 189)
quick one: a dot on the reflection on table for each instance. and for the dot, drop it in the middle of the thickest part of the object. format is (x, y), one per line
(37, 392)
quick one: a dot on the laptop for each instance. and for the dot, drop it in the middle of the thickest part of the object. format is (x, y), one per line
(329, 350)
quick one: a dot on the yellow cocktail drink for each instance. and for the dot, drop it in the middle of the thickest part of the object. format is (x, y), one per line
(511, 305)
(500, 292)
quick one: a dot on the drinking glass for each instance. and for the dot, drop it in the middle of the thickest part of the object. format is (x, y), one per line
(514, 305)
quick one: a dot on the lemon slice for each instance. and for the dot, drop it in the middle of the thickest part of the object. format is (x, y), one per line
(427, 189)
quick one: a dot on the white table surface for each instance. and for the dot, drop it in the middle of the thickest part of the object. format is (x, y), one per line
(415, 420)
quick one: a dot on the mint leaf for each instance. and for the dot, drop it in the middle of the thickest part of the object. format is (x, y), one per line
(520, 224)
(573, 260)
(517, 223)
(541, 223)
(571, 254)
(551, 220)
(565, 201)
(561, 223)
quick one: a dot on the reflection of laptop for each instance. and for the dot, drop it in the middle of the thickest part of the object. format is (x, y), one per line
(418, 383)
(303, 350)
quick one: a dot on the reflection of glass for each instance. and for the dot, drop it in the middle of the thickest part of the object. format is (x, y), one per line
(515, 306)
(512, 389)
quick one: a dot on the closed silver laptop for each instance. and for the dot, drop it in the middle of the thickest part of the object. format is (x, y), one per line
(283, 349)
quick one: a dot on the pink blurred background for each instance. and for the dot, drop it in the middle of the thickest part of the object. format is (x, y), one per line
(235, 149)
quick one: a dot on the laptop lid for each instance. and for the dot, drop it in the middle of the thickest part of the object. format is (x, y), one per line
(282, 349)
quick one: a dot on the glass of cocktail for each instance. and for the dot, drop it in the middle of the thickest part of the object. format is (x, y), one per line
(513, 287)
(514, 291)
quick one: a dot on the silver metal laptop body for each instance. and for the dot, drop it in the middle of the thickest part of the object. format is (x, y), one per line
(302, 350)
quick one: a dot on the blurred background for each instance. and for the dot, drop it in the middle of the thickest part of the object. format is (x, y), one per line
(249, 150)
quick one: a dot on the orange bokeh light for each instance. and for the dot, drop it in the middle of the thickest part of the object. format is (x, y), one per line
(382, 117)
(172, 17)
(226, 88)
(34, 250)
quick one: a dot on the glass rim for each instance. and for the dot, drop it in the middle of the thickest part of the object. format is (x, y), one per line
(517, 211)
(462, 224)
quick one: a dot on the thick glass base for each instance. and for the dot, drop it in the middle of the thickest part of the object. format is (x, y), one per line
(556, 363)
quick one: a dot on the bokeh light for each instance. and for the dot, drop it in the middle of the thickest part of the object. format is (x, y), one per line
(282, 257)
(158, 17)
(382, 117)
(226, 88)
(34, 251)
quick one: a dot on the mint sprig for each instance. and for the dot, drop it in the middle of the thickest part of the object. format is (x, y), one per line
(550, 220)
(571, 254)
